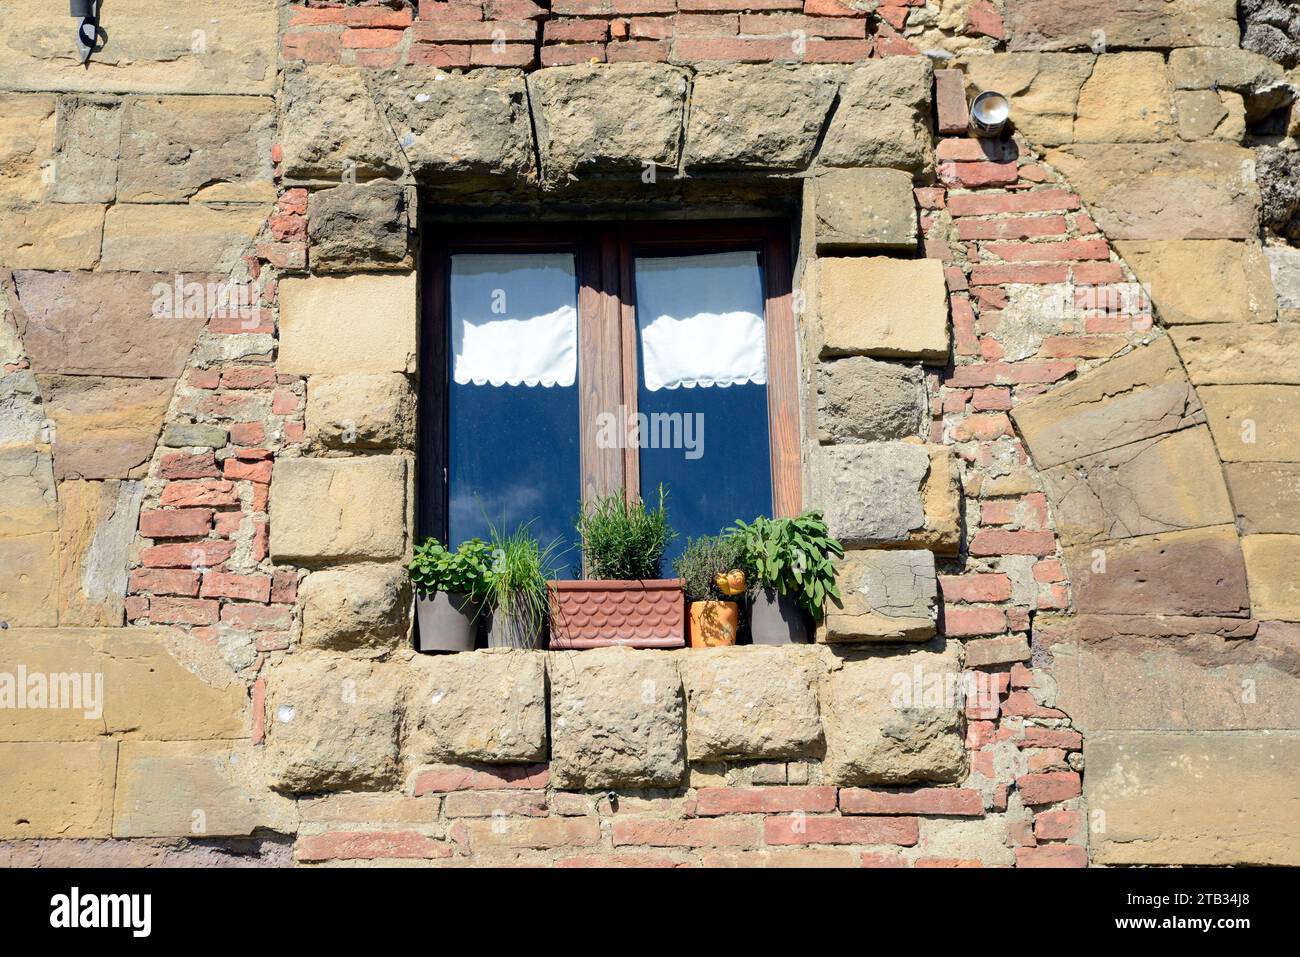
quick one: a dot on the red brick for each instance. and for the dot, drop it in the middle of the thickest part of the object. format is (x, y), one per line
(840, 51)
(261, 495)
(187, 554)
(654, 28)
(449, 777)
(1030, 201)
(514, 10)
(1046, 759)
(984, 399)
(176, 523)
(1019, 227)
(495, 803)
(692, 50)
(571, 53)
(974, 588)
(204, 379)
(961, 622)
(1036, 737)
(284, 585)
(312, 48)
(181, 465)
(284, 255)
(763, 800)
(315, 16)
(610, 8)
(284, 402)
(369, 845)
(707, 24)
(1010, 373)
(1052, 855)
(618, 860)
(438, 54)
(247, 433)
(509, 55)
(165, 581)
(378, 17)
(658, 832)
(574, 31)
(956, 802)
(705, 6)
(980, 734)
(183, 611)
(1098, 273)
(227, 524)
(294, 431)
(464, 31)
(880, 859)
(1021, 704)
(285, 228)
(830, 8)
(247, 587)
(790, 23)
(207, 492)
(1083, 347)
(1030, 274)
(1048, 788)
(1070, 249)
(998, 542)
(257, 377)
(977, 174)
(451, 10)
(903, 831)
(256, 617)
(253, 471)
(984, 20)
(1058, 825)
(1049, 570)
(637, 51)
(950, 101)
(946, 862)
(982, 427)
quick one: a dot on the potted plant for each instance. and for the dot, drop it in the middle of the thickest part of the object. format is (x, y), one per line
(712, 578)
(516, 589)
(623, 601)
(449, 591)
(791, 572)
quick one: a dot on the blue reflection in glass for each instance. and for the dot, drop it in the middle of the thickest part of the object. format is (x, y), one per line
(713, 452)
(513, 453)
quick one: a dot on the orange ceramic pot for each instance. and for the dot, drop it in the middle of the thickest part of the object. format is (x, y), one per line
(714, 623)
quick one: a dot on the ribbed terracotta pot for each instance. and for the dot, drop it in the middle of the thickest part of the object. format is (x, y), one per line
(646, 613)
(713, 624)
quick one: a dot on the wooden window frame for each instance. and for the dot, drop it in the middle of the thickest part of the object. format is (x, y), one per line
(604, 255)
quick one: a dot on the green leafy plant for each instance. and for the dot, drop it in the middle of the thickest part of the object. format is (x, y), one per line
(792, 555)
(518, 570)
(624, 541)
(465, 571)
(703, 560)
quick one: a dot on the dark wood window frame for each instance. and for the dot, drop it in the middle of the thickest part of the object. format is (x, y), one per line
(607, 331)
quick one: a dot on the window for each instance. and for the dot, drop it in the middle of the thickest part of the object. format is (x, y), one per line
(563, 362)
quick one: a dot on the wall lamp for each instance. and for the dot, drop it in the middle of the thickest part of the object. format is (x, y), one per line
(989, 114)
(87, 13)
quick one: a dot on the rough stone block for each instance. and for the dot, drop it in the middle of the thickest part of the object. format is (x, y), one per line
(891, 308)
(339, 510)
(870, 493)
(1043, 89)
(1266, 496)
(51, 236)
(27, 125)
(27, 500)
(104, 427)
(1284, 265)
(368, 411)
(346, 325)
(332, 724)
(617, 719)
(1154, 485)
(764, 116)
(1240, 354)
(941, 502)
(864, 400)
(355, 608)
(750, 703)
(887, 596)
(883, 117)
(22, 417)
(332, 129)
(1271, 562)
(487, 706)
(359, 227)
(1139, 395)
(1209, 115)
(1194, 799)
(98, 522)
(1125, 100)
(86, 149)
(1196, 281)
(894, 718)
(1124, 24)
(863, 209)
(57, 789)
(1253, 423)
(29, 578)
(179, 238)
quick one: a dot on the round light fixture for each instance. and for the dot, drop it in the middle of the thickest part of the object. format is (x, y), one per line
(989, 114)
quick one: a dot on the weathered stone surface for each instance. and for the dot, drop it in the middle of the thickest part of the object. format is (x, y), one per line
(1207, 114)
(1261, 82)
(1284, 265)
(1153, 485)
(1125, 100)
(1266, 496)
(332, 724)
(355, 608)
(883, 117)
(179, 435)
(893, 719)
(179, 238)
(617, 719)
(1061, 25)
(27, 501)
(86, 149)
(887, 596)
(864, 400)
(894, 308)
(1271, 562)
(195, 789)
(1194, 572)
(474, 124)
(345, 325)
(862, 209)
(157, 684)
(97, 525)
(765, 116)
(748, 703)
(1043, 89)
(1239, 354)
(51, 236)
(339, 510)
(57, 789)
(607, 118)
(27, 125)
(487, 706)
(1164, 191)
(941, 500)
(370, 411)
(209, 148)
(1253, 423)
(332, 129)
(104, 427)
(108, 323)
(1203, 281)
(870, 493)
(22, 417)
(359, 227)
(208, 46)
(29, 577)
(1210, 799)
(1139, 395)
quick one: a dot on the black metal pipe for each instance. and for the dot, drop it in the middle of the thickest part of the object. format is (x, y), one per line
(83, 8)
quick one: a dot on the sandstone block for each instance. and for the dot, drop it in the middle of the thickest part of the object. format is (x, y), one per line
(1043, 89)
(1241, 354)
(883, 117)
(1203, 280)
(27, 500)
(1284, 265)
(51, 236)
(862, 209)
(355, 608)
(1271, 562)
(57, 789)
(98, 522)
(345, 325)
(332, 128)
(887, 596)
(893, 308)
(86, 149)
(870, 493)
(864, 400)
(1253, 423)
(359, 227)
(1266, 496)
(1125, 100)
(104, 427)
(179, 238)
(339, 510)
(941, 502)
(1208, 114)
(375, 410)
(29, 578)
(1125, 24)
(27, 125)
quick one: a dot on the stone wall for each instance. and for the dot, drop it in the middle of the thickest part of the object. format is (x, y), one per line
(1037, 407)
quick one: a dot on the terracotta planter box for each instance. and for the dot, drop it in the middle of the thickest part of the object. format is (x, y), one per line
(639, 614)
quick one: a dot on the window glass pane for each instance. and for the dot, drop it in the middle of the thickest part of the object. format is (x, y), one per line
(702, 390)
(513, 452)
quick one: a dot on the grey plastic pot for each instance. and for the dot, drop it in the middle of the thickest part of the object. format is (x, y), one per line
(776, 619)
(448, 621)
(516, 631)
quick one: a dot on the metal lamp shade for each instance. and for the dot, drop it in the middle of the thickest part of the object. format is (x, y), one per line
(83, 8)
(989, 113)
